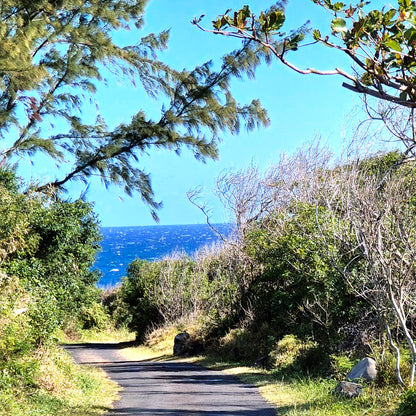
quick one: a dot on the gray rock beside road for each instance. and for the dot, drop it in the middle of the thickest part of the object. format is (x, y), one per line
(181, 344)
(366, 370)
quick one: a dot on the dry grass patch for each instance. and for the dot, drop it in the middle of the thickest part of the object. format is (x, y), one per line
(74, 336)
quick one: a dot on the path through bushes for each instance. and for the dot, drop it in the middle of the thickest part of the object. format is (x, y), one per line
(171, 388)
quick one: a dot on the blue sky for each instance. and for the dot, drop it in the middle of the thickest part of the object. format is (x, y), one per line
(300, 108)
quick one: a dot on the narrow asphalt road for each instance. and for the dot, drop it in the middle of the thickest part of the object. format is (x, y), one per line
(171, 388)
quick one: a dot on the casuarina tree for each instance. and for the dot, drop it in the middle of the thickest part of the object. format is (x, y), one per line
(53, 56)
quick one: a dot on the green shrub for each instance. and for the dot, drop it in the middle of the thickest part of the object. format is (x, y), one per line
(386, 370)
(299, 291)
(407, 406)
(50, 245)
(137, 297)
(93, 316)
(45, 318)
(286, 351)
(295, 357)
(205, 288)
(341, 365)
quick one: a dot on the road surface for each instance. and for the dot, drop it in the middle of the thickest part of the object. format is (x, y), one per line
(171, 388)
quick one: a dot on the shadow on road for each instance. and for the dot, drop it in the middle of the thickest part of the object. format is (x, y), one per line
(162, 386)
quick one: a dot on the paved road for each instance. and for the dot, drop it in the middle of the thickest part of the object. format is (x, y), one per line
(171, 388)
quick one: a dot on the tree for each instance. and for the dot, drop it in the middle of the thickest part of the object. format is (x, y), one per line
(50, 246)
(53, 54)
(380, 44)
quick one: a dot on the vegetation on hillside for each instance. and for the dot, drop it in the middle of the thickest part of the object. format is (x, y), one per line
(47, 250)
(321, 268)
(322, 262)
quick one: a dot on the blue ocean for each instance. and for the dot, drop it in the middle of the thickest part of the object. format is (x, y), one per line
(121, 245)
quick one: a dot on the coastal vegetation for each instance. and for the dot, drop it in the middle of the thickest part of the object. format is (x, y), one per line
(320, 270)
(318, 274)
(47, 249)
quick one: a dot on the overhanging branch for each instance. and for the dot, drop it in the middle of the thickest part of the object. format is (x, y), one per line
(361, 89)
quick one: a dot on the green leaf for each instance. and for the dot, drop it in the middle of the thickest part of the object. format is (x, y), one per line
(338, 25)
(293, 42)
(275, 20)
(410, 35)
(316, 34)
(338, 6)
(394, 45)
(388, 16)
(246, 12)
(404, 3)
(280, 18)
(229, 20)
(217, 24)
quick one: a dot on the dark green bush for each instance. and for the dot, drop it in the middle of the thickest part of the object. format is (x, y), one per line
(138, 308)
(57, 252)
(49, 246)
(299, 290)
(407, 406)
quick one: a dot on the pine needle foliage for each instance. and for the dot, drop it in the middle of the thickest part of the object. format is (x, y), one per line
(54, 54)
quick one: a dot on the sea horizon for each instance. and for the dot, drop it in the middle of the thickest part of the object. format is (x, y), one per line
(123, 244)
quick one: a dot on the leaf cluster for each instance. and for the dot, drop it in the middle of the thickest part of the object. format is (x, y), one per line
(265, 27)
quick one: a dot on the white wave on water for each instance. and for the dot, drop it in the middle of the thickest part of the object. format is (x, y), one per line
(148, 243)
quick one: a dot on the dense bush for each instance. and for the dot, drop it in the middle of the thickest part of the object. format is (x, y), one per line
(407, 406)
(206, 288)
(300, 290)
(47, 249)
(49, 246)
(18, 335)
(63, 239)
(133, 303)
(56, 255)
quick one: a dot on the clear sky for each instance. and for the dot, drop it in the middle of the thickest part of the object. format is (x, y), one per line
(300, 107)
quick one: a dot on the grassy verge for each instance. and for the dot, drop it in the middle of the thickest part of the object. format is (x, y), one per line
(96, 335)
(291, 396)
(61, 389)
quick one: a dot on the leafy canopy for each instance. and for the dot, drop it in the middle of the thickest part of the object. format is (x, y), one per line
(381, 43)
(53, 56)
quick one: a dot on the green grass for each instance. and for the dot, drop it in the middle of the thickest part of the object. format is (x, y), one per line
(61, 389)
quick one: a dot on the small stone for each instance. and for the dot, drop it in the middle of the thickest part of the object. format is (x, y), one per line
(348, 389)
